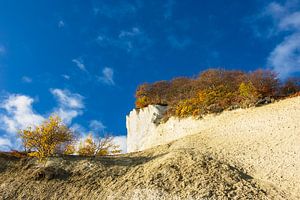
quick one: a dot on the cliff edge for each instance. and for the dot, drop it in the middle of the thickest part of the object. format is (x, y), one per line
(263, 140)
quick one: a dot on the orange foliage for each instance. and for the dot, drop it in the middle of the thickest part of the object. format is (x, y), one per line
(214, 90)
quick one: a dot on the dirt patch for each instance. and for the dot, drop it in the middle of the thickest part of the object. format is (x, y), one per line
(160, 173)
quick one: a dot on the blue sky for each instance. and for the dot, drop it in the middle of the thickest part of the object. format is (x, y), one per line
(84, 59)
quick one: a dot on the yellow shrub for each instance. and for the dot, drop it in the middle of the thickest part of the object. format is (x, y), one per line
(88, 147)
(142, 102)
(247, 90)
(189, 107)
(69, 149)
(248, 94)
(47, 139)
(98, 147)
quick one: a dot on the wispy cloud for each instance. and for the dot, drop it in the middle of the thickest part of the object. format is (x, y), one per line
(107, 76)
(179, 43)
(96, 126)
(119, 11)
(134, 41)
(26, 79)
(169, 9)
(70, 105)
(285, 58)
(2, 50)
(5, 143)
(65, 76)
(61, 24)
(79, 64)
(131, 33)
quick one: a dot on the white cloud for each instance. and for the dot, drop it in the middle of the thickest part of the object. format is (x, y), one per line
(4, 142)
(67, 99)
(70, 105)
(18, 113)
(133, 41)
(107, 76)
(122, 141)
(134, 32)
(26, 79)
(61, 24)
(67, 77)
(97, 126)
(67, 115)
(2, 50)
(79, 64)
(78, 129)
(285, 58)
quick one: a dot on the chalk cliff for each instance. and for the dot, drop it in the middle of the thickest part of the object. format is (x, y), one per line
(264, 140)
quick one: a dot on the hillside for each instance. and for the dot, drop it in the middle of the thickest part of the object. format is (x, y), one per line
(167, 172)
(208, 165)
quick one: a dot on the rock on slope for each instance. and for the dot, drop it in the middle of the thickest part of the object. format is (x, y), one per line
(165, 172)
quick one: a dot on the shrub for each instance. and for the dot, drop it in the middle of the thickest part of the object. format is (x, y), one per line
(47, 139)
(142, 102)
(106, 146)
(88, 147)
(291, 86)
(98, 147)
(69, 149)
(188, 107)
(248, 94)
(265, 82)
(213, 91)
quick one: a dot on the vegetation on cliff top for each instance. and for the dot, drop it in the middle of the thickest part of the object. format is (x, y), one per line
(215, 90)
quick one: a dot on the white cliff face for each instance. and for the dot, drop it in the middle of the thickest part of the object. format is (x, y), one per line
(264, 140)
(144, 130)
(140, 123)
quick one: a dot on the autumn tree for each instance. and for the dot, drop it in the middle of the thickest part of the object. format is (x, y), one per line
(266, 82)
(47, 139)
(213, 91)
(106, 146)
(290, 86)
(98, 146)
(248, 94)
(87, 147)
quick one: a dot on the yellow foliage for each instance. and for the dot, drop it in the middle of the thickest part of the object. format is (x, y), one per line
(142, 102)
(47, 139)
(248, 93)
(247, 90)
(106, 146)
(88, 147)
(70, 149)
(189, 107)
(98, 147)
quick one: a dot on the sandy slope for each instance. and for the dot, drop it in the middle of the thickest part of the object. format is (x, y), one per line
(268, 151)
(210, 165)
(165, 172)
